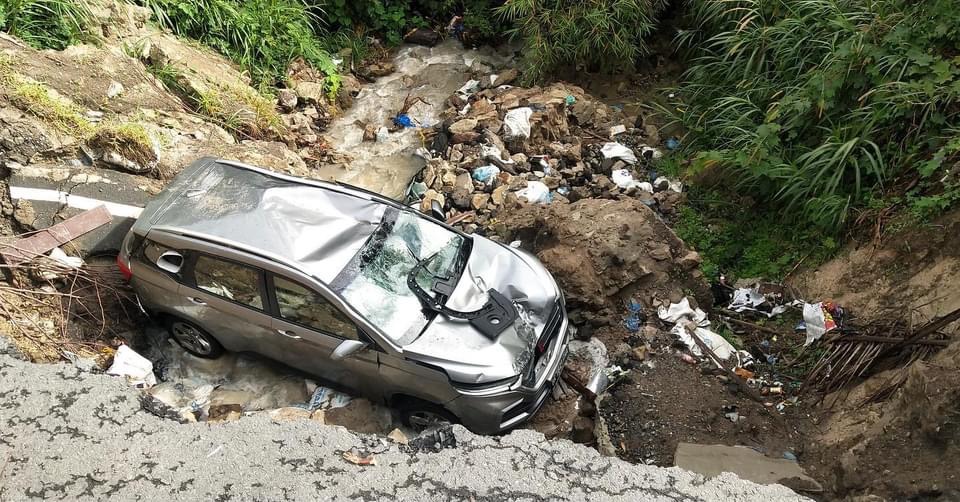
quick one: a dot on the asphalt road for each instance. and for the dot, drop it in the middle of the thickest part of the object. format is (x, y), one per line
(70, 435)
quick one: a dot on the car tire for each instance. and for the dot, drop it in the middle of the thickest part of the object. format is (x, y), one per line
(193, 339)
(421, 415)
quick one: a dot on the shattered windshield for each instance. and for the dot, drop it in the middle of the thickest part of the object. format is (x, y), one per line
(375, 281)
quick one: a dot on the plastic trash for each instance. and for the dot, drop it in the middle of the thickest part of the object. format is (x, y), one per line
(672, 143)
(137, 369)
(536, 192)
(615, 150)
(383, 134)
(681, 313)
(325, 398)
(563, 190)
(516, 123)
(570, 100)
(623, 179)
(471, 87)
(672, 185)
(651, 154)
(403, 120)
(617, 129)
(485, 174)
(818, 321)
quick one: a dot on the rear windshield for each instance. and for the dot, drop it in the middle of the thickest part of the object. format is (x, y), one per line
(375, 281)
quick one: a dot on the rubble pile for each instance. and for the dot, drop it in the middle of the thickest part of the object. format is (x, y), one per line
(500, 147)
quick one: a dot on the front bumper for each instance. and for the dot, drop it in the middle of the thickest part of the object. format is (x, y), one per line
(501, 411)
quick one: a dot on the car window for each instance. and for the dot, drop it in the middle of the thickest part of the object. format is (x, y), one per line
(230, 280)
(152, 251)
(301, 305)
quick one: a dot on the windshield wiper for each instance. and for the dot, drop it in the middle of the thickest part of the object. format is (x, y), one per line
(491, 319)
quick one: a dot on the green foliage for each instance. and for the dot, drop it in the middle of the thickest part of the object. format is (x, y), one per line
(745, 241)
(262, 36)
(600, 34)
(47, 24)
(392, 19)
(816, 104)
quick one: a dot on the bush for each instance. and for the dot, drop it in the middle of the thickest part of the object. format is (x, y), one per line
(46, 24)
(262, 36)
(602, 34)
(816, 105)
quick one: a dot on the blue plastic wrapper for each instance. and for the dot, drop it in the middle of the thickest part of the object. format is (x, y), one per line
(485, 174)
(403, 120)
(672, 143)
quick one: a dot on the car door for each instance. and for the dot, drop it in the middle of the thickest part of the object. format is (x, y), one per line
(310, 328)
(227, 299)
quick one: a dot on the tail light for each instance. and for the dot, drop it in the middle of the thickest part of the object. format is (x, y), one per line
(124, 267)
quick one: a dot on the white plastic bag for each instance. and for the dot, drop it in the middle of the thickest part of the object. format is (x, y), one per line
(516, 123)
(535, 192)
(815, 322)
(137, 369)
(623, 179)
(615, 150)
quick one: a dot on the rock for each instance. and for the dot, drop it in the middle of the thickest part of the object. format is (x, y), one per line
(639, 353)
(660, 251)
(114, 90)
(428, 198)
(583, 430)
(465, 137)
(311, 92)
(480, 200)
(498, 194)
(463, 126)
(552, 182)
(224, 413)
(349, 89)
(287, 99)
(494, 140)
(691, 260)
(461, 198)
(423, 36)
(506, 77)
(652, 134)
(289, 414)
(397, 436)
(24, 213)
(319, 416)
(519, 159)
(464, 182)
(650, 332)
(370, 134)
(379, 69)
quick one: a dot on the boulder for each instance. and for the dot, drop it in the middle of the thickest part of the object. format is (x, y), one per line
(463, 126)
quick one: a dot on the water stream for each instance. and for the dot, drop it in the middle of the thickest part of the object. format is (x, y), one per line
(433, 74)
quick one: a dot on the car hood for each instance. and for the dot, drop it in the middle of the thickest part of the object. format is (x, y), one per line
(466, 354)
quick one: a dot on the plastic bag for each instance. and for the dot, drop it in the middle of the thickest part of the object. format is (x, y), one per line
(615, 150)
(137, 369)
(535, 192)
(516, 123)
(485, 174)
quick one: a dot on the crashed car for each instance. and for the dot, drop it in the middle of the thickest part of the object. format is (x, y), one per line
(352, 287)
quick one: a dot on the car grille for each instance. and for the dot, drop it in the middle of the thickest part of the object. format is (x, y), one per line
(550, 332)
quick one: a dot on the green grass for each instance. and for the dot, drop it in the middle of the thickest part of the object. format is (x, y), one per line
(47, 24)
(37, 99)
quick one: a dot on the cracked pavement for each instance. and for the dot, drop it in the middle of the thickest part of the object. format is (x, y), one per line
(65, 434)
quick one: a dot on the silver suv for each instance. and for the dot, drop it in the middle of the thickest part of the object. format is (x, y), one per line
(353, 288)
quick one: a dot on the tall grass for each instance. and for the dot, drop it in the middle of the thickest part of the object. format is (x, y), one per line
(598, 34)
(816, 105)
(47, 24)
(262, 36)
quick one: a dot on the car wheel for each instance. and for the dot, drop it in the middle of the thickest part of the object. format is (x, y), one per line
(421, 416)
(194, 340)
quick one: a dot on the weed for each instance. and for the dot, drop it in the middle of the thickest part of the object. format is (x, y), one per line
(47, 24)
(37, 99)
(129, 139)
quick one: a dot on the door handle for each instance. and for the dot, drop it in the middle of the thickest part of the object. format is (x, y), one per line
(289, 334)
(196, 300)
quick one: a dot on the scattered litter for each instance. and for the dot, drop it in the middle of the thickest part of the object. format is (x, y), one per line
(61, 259)
(354, 456)
(664, 183)
(617, 151)
(617, 129)
(137, 369)
(817, 320)
(651, 154)
(215, 451)
(403, 120)
(623, 179)
(485, 174)
(516, 123)
(681, 313)
(536, 192)
(383, 134)
(471, 87)
(570, 100)
(789, 455)
(434, 439)
(743, 373)
(634, 316)
(672, 143)
(753, 300)
(325, 398)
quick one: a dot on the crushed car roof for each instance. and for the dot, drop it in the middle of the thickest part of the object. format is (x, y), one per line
(314, 226)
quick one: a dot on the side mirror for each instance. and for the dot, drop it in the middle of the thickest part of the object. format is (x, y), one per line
(170, 261)
(436, 211)
(347, 348)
